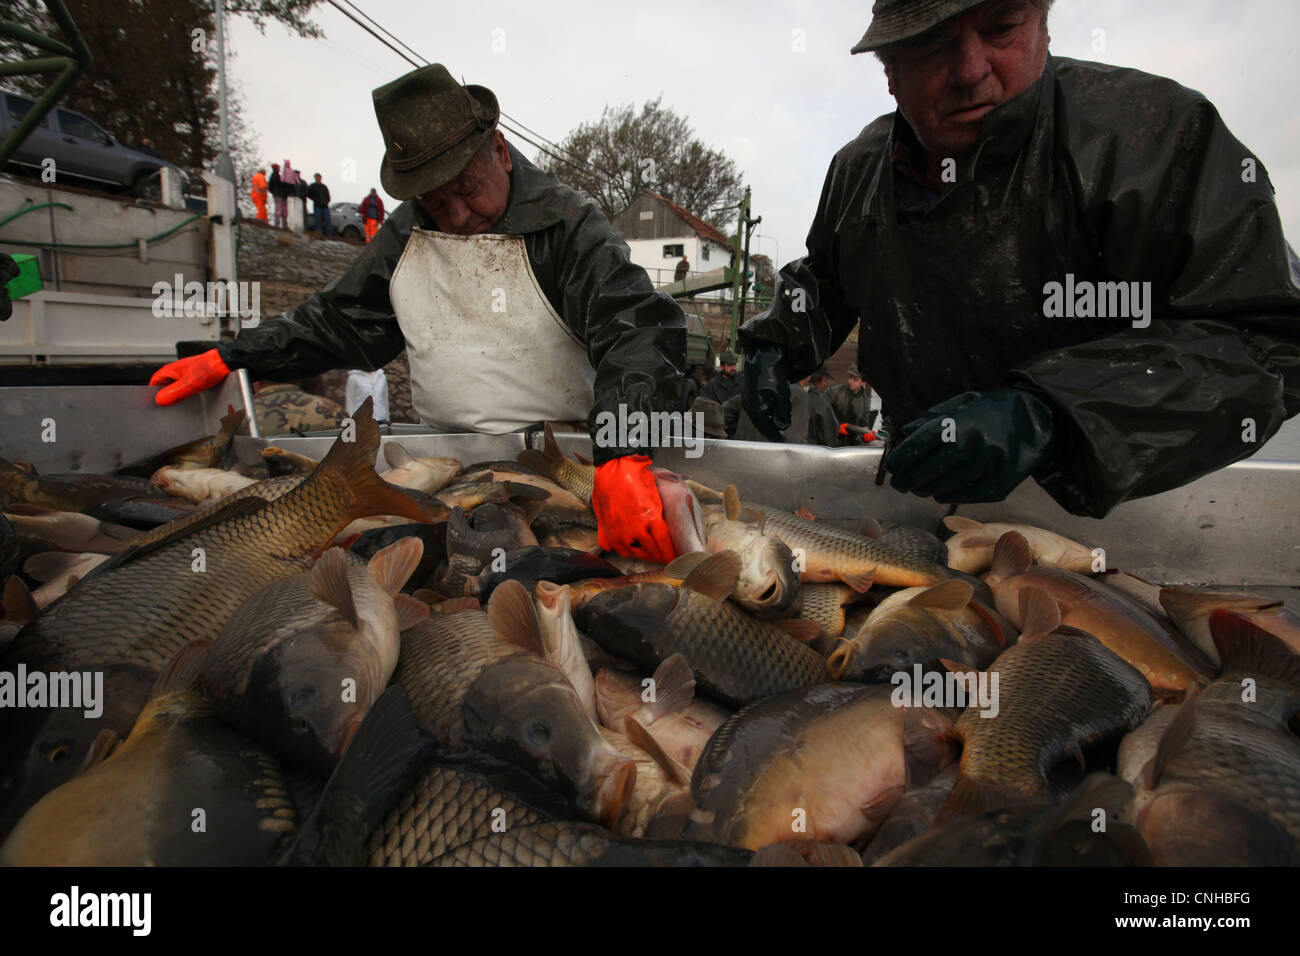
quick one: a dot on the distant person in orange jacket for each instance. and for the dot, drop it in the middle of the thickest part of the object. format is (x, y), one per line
(259, 193)
(372, 211)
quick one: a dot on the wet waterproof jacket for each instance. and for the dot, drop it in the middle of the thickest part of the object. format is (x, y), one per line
(1095, 172)
(720, 388)
(635, 336)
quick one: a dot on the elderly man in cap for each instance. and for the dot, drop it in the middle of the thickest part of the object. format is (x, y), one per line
(854, 409)
(489, 272)
(723, 385)
(1059, 269)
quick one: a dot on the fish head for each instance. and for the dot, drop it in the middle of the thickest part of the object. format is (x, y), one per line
(617, 696)
(627, 619)
(307, 695)
(524, 711)
(896, 643)
(681, 511)
(768, 585)
(42, 748)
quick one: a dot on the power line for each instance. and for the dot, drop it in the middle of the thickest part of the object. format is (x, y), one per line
(576, 162)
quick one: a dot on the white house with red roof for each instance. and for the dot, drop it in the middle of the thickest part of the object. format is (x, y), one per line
(659, 232)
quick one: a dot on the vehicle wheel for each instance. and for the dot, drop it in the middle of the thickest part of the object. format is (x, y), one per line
(351, 232)
(148, 186)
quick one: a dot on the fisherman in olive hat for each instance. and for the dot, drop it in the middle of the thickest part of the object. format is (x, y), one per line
(513, 297)
(854, 408)
(1057, 269)
(723, 385)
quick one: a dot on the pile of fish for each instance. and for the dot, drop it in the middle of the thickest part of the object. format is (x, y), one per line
(311, 663)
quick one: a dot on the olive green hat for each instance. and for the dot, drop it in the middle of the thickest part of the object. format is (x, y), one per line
(432, 127)
(893, 21)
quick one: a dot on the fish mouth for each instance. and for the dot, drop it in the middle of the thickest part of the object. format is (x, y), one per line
(841, 659)
(549, 594)
(613, 790)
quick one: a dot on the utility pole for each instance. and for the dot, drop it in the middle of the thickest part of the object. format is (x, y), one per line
(740, 281)
(225, 165)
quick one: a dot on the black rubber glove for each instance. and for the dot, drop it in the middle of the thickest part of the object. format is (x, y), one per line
(765, 391)
(997, 439)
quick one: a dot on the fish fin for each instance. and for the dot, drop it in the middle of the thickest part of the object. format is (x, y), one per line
(777, 854)
(518, 489)
(1040, 615)
(800, 628)
(19, 605)
(353, 464)
(872, 528)
(410, 611)
(682, 565)
(329, 583)
(927, 745)
(513, 617)
(951, 595)
(101, 748)
(958, 523)
(584, 460)
(806, 514)
(970, 796)
(704, 490)
(451, 605)
(1174, 739)
(393, 566)
(534, 459)
(375, 768)
(715, 576)
(860, 581)
(396, 455)
(878, 809)
(979, 541)
(841, 659)
(637, 733)
(731, 503)
(182, 672)
(223, 511)
(753, 516)
(832, 854)
(672, 818)
(550, 447)
(674, 686)
(993, 621)
(27, 510)
(1011, 556)
(1246, 648)
(958, 667)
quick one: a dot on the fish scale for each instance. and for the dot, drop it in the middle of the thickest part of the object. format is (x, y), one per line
(441, 658)
(444, 808)
(825, 546)
(1055, 694)
(734, 657)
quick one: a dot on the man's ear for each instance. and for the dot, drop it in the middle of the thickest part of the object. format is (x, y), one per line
(502, 151)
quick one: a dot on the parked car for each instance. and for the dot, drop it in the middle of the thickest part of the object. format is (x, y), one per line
(343, 217)
(80, 150)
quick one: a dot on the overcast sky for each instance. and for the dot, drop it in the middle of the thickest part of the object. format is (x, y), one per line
(737, 71)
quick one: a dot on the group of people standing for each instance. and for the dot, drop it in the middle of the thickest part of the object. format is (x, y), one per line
(844, 415)
(289, 183)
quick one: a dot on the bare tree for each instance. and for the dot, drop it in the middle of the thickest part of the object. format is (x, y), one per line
(626, 151)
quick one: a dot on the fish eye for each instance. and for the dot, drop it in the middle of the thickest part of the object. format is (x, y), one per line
(57, 753)
(538, 734)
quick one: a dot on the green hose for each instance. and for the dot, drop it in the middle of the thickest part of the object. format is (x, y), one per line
(26, 209)
(78, 245)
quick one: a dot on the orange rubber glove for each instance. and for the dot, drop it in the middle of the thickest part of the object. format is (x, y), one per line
(629, 511)
(189, 376)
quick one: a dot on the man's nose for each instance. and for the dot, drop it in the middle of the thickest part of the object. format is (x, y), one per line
(456, 213)
(972, 59)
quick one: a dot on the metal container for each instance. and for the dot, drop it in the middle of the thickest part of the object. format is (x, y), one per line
(1238, 526)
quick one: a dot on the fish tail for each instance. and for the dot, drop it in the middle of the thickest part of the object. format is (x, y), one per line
(971, 795)
(181, 673)
(1246, 648)
(352, 463)
(378, 763)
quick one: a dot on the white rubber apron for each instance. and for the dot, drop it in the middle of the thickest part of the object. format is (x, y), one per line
(487, 352)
